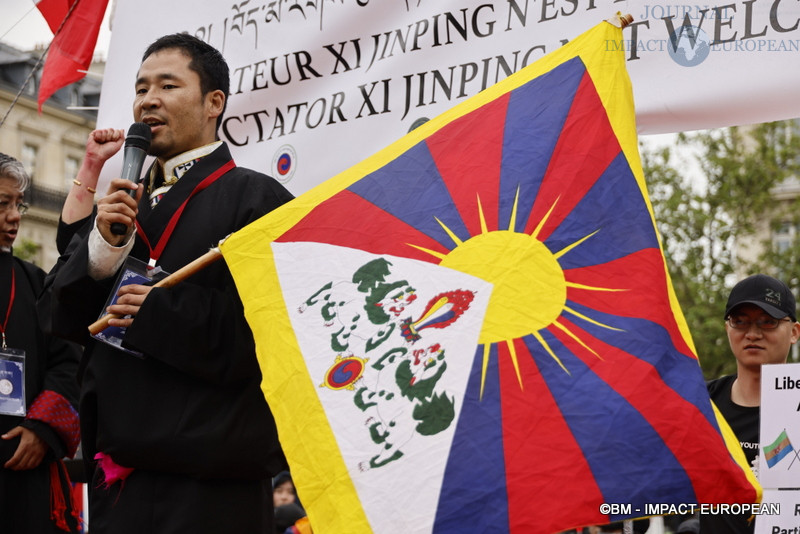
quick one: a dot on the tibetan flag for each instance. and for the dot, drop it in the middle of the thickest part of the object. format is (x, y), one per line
(474, 330)
(778, 449)
(76, 28)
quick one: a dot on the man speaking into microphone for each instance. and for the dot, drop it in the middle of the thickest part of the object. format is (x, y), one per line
(175, 427)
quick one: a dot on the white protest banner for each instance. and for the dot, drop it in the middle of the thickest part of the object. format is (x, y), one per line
(779, 451)
(778, 465)
(317, 86)
(779, 512)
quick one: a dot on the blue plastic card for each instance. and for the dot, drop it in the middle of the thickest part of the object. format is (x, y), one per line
(133, 272)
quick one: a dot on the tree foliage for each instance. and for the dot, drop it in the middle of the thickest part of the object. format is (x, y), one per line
(708, 222)
(27, 250)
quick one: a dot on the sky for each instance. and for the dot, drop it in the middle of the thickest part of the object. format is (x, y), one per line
(22, 26)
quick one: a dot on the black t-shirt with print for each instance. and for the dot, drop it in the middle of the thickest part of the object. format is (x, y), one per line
(744, 421)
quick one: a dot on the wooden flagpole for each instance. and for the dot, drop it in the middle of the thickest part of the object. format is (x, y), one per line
(181, 274)
(619, 20)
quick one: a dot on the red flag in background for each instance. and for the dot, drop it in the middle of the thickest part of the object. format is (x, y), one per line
(54, 12)
(73, 44)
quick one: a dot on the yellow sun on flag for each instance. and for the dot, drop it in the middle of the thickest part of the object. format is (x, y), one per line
(530, 289)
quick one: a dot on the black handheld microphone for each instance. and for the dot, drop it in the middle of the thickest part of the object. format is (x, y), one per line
(137, 143)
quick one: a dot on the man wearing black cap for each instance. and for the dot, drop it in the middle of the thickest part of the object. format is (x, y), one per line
(761, 322)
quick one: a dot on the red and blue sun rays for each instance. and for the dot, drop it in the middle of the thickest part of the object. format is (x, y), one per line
(533, 130)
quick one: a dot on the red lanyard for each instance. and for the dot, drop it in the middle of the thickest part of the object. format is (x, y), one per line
(10, 304)
(155, 254)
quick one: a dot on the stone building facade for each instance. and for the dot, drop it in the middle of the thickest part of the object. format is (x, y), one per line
(50, 145)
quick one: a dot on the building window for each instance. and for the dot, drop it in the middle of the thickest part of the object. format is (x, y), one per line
(784, 237)
(783, 240)
(30, 155)
(793, 133)
(71, 167)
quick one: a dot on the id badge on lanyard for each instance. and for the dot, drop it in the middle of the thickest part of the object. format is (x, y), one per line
(134, 271)
(12, 367)
(12, 381)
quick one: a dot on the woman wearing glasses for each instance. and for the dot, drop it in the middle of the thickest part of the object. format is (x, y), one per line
(38, 391)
